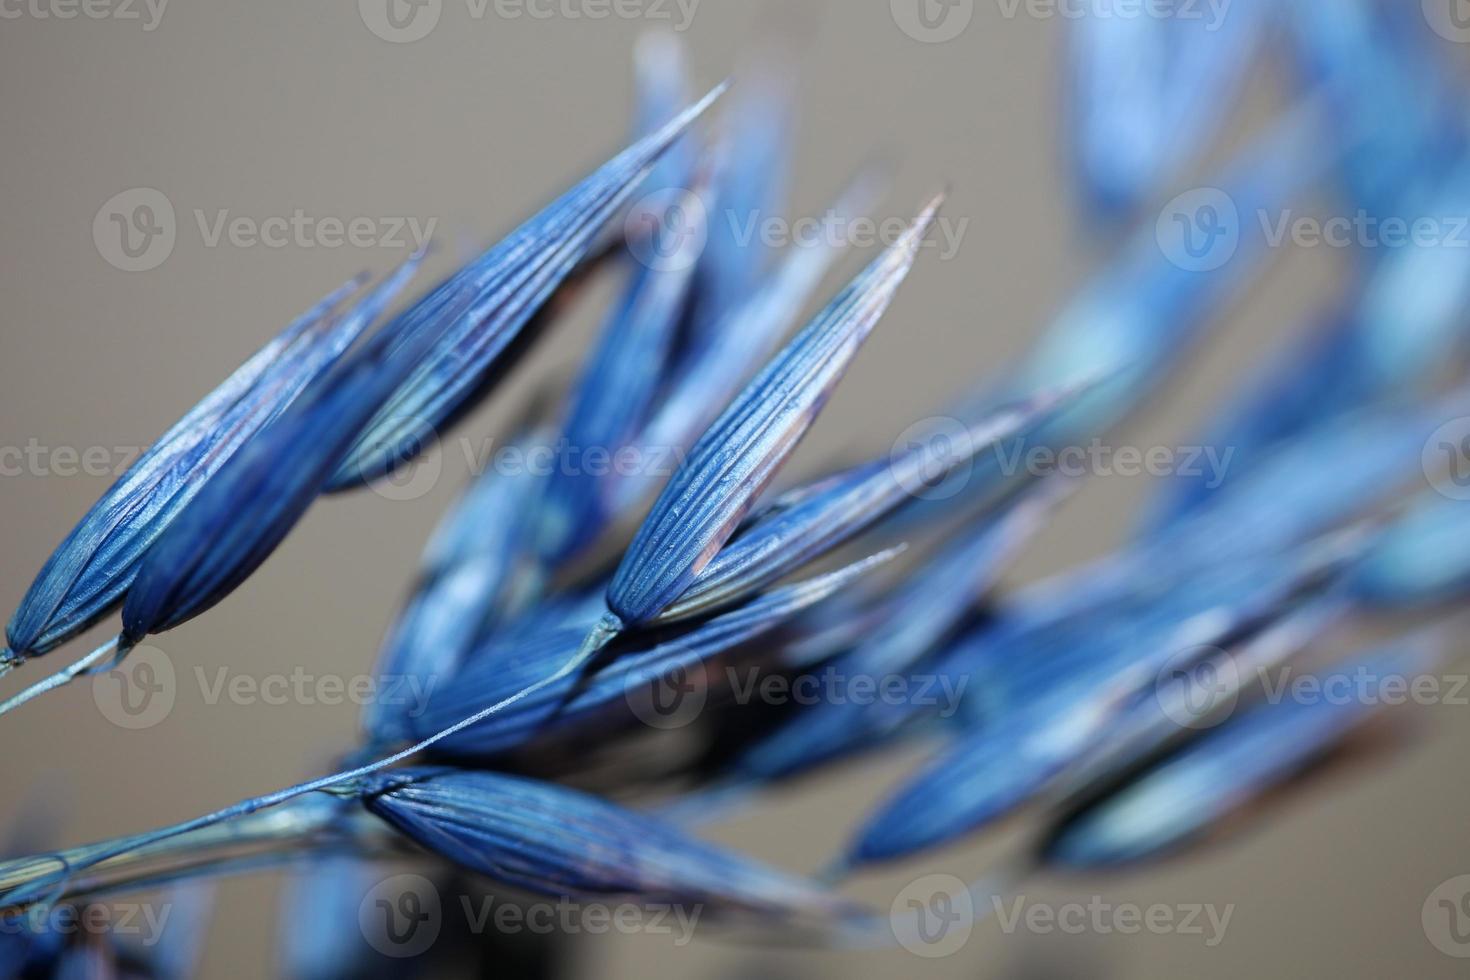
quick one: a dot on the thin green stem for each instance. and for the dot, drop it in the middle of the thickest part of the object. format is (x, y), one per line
(112, 648)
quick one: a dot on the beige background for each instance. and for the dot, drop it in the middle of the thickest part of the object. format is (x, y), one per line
(262, 108)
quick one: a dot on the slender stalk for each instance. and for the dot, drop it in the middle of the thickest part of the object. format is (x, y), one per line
(112, 648)
(37, 885)
(286, 854)
(138, 854)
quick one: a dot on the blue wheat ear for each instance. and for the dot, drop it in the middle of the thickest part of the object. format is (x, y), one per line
(707, 375)
(507, 286)
(420, 368)
(1282, 499)
(737, 457)
(91, 570)
(1057, 692)
(1398, 105)
(809, 521)
(1135, 320)
(752, 161)
(569, 706)
(319, 920)
(1422, 556)
(739, 454)
(924, 611)
(555, 841)
(464, 588)
(1288, 495)
(1385, 340)
(235, 523)
(1144, 95)
(1188, 793)
(1143, 312)
(1179, 791)
(533, 632)
(908, 627)
(622, 376)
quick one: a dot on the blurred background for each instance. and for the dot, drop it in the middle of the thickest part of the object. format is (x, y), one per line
(334, 110)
